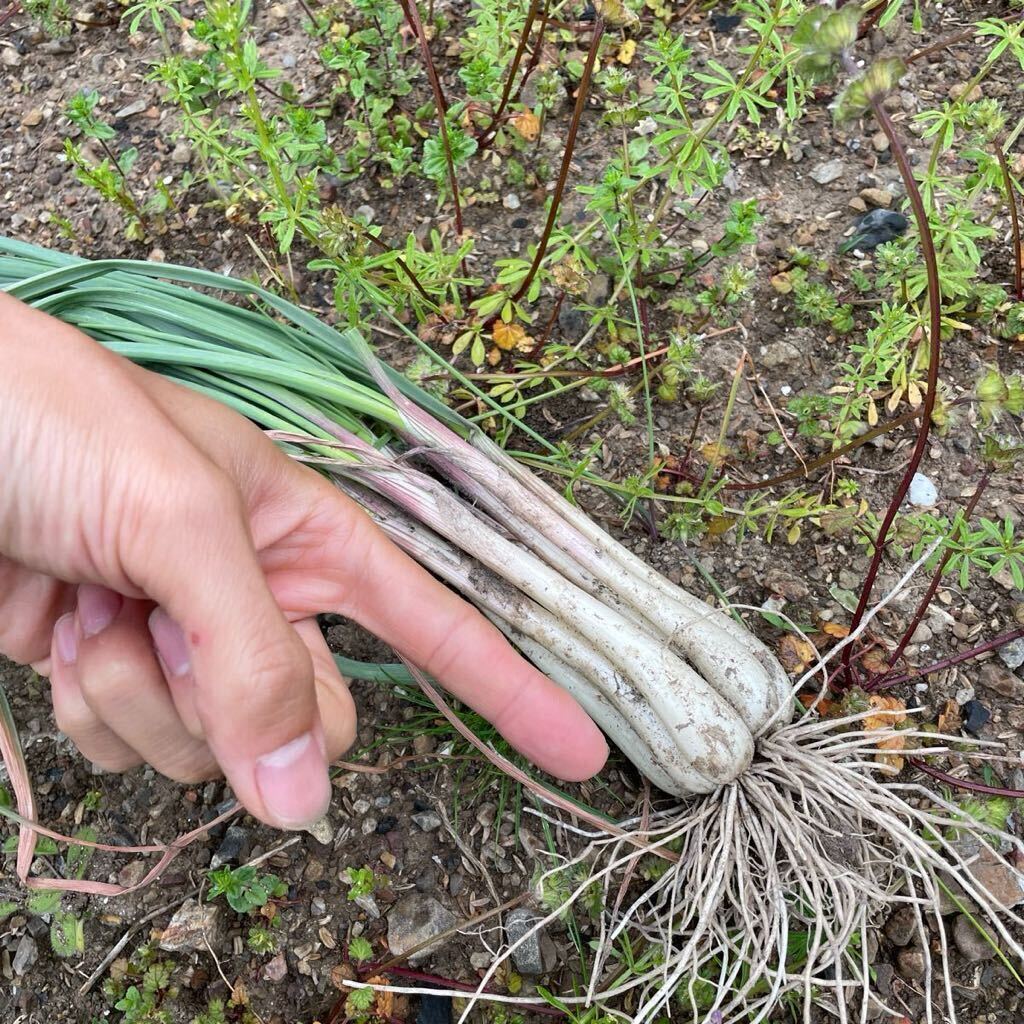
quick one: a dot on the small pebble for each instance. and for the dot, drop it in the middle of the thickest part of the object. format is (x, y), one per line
(827, 172)
(923, 492)
(428, 821)
(511, 201)
(1012, 654)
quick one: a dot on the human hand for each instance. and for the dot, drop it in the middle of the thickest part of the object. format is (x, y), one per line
(163, 562)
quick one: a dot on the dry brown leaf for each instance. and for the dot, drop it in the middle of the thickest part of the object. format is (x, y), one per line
(891, 710)
(340, 974)
(824, 707)
(507, 336)
(874, 661)
(795, 653)
(385, 1001)
(568, 275)
(527, 124)
(949, 718)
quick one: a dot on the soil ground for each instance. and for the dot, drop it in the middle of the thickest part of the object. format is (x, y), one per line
(479, 853)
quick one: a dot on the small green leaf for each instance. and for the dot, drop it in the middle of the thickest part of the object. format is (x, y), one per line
(44, 901)
(67, 934)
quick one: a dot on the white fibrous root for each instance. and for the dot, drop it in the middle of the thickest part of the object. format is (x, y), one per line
(763, 893)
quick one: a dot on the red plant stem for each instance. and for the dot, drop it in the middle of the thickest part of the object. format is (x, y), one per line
(1011, 202)
(871, 20)
(10, 12)
(929, 594)
(972, 787)
(934, 353)
(489, 135)
(534, 54)
(956, 659)
(570, 144)
(412, 15)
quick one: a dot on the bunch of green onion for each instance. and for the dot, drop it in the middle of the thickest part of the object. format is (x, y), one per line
(778, 864)
(680, 687)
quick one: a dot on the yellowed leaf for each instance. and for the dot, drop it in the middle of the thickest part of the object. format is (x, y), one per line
(717, 525)
(714, 453)
(890, 711)
(795, 653)
(627, 51)
(507, 336)
(615, 12)
(782, 283)
(836, 629)
(894, 399)
(872, 413)
(527, 124)
(914, 395)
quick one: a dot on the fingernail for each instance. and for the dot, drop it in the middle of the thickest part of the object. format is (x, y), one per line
(293, 782)
(170, 644)
(65, 640)
(97, 608)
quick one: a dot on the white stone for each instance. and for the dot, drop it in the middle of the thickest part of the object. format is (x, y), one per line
(923, 492)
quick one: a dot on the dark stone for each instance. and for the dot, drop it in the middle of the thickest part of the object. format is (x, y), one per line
(387, 824)
(521, 222)
(234, 847)
(725, 23)
(875, 228)
(975, 716)
(435, 1010)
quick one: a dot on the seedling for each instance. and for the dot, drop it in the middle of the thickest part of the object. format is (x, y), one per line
(244, 888)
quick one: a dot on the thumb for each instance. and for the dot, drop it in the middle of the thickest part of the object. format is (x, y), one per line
(219, 629)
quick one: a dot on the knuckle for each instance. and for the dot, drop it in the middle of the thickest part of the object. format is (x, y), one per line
(113, 763)
(192, 771)
(106, 680)
(451, 645)
(275, 685)
(205, 498)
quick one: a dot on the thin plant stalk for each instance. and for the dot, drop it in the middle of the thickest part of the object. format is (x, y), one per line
(488, 137)
(925, 603)
(582, 92)
(934, 353)
(1011, 203)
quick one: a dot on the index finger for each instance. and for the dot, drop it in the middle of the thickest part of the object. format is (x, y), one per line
(388, 593)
